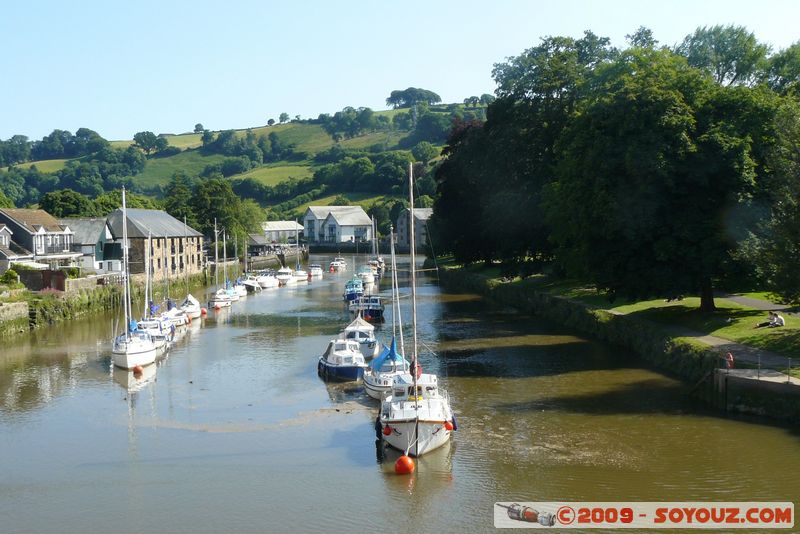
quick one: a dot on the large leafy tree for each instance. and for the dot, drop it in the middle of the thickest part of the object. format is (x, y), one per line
(412, 96)
(178, 194)
(650, 171)
(67, 203)
(147, 141)
(731, 54)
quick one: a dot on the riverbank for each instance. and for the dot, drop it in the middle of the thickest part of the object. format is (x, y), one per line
(673, 350)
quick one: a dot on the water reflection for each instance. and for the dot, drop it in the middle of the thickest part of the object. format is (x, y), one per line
(234, 425)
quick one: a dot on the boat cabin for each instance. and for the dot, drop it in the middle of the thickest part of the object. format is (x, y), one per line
(403, 387)
(343, 352)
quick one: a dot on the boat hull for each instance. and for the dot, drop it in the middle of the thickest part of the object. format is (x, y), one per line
(133, 356)
(340, 373)
(432, 435)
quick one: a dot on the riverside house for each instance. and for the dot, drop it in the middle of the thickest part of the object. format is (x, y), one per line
(91, 235)
(337, 224)
(281, 231)
(421, 216)
(10, 252)
(175, 249)
(39, 237)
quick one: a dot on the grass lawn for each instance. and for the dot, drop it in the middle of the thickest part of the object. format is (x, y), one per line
(275, 174)
(45, 165)
(184, 141)
(158, 171)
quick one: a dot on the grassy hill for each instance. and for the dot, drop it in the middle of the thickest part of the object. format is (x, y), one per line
(277, 173)
(45, 165)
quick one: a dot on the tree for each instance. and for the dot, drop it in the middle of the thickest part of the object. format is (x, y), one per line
(147, 141)
(270, 122)
(730, 54)
(177, 198)
(424, 152)
(487, 99)
(649, 171)
(783, 70)
(5, 202)
(283, 117)
(161, 144)
(198, 128)
(642, 38)
(67, 203)
(409, 97)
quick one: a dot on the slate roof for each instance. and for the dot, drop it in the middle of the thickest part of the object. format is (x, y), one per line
(14, 251)
(422, 214)
(33, 220)
(281, 226)
(258, 240)
(350, 216)
(88, 231)
(158, 223)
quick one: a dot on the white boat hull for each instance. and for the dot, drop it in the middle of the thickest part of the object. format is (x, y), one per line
(132, 354)
(432, 435)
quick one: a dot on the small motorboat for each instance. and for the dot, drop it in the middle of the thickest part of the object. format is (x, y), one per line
(366, 274)
(362, 333)
(267, 280)
(315, 270)
(285, 276)
(338, 264)
(370, 307)
(342, 361)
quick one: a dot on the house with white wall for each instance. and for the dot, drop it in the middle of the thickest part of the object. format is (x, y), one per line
(337, 224)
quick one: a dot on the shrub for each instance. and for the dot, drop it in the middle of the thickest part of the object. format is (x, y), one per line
(9, 277)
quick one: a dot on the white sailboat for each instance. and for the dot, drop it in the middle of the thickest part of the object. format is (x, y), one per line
(133, 348)
(220, 299)
(300, 274)
(415, 416)
(382, 371)
(190, 305)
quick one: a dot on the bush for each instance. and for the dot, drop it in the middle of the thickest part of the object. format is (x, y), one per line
(9, 277)
(19, 267)
(72, 272)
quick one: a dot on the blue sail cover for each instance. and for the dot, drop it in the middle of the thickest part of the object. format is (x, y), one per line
(388, 356)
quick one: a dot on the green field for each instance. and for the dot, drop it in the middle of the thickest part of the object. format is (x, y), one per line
(276, 174)
(184, 141)
(45, 165)
(159, 170)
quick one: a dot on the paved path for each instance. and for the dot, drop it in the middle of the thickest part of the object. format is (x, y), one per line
(758, 304)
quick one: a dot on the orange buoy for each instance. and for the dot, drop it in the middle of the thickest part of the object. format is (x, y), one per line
(387, 430)
(404, 465)
(137, 370)
(203, 311)
(448, 425)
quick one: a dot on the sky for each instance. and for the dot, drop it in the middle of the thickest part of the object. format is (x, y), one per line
(163, 66)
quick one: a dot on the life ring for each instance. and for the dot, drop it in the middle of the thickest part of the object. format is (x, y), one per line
(729, 361)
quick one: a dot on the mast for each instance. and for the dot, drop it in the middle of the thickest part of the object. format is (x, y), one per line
(297, 244)
(415, 366)
(396, 291)
(224, 259)
(125, 270)
(216, 254)
(186, 253)
(147, 260)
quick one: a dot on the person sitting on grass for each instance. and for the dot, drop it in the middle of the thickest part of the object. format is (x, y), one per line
(777, 320)
(767, 322)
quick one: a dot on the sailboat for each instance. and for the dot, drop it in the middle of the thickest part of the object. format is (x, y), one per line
(415, 415)
(220, 299)
(133, 348)
(299, 273)
(380, 375)
(160, 330)
(190, 305)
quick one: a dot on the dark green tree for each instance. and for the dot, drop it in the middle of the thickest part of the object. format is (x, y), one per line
(283, 117)
(147, 141)
(67, 203)
(198, 128)
(177, 199)
(424, 152)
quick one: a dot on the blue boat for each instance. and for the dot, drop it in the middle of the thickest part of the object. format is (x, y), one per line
(353, 289)
(342, 361)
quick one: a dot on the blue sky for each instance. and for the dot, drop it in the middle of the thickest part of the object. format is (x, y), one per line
(123, 67)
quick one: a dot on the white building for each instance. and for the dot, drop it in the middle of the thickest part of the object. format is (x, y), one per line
(281, 231)
(421, 216)
(337, 224)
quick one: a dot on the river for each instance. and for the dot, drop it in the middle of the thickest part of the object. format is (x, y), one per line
(234, 431)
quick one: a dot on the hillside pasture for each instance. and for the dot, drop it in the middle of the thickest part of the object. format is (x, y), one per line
(272, 175)
(45, 165)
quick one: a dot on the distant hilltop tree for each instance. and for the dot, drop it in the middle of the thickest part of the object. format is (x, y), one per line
(283, 117)
(412, 96)
(198, 128)
(270, 122)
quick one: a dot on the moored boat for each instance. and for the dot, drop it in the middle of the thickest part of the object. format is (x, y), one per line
(362, 333)
(380, 375)
(342, 361)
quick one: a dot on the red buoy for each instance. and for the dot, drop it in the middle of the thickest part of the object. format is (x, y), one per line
(137, 370)
(217, 307)
(448, 425)
(203, 311)
(387, 430)
(331, 269)
(404, 465)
